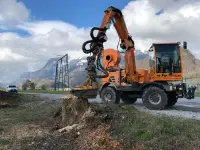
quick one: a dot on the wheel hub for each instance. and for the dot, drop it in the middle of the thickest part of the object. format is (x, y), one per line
(154, 98)
(108, 97)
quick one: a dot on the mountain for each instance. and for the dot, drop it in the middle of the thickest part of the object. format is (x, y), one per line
(48, 71)
(78, 73)
(141, 55)
(76, 69)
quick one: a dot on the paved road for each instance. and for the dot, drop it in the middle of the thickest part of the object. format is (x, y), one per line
(184, 108)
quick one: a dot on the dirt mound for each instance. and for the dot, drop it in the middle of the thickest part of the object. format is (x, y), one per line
(73, 109)
(86, 123)
(98, 138)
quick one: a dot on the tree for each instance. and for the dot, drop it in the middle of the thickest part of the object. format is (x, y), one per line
(32, 86)
(28, 85)
(43, 87)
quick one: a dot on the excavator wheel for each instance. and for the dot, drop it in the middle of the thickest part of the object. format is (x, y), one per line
(172, 99)
(154, 98)
(128, 99)
(109, 95)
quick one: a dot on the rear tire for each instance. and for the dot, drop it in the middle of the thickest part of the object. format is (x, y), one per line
(109, 95)
(128, 99)
(154, 98)
(172, 99)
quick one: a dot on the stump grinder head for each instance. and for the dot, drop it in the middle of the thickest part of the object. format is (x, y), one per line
(85, 91)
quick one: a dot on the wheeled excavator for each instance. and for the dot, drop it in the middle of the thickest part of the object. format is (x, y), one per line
(157, 86)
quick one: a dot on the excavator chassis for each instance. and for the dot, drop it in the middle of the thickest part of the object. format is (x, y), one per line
(154, 89)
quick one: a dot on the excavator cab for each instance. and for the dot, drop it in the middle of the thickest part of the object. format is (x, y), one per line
(165, 62)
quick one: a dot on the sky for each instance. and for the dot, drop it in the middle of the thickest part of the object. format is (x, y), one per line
(33, 31)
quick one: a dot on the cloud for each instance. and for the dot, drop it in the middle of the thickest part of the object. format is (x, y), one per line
(12, 12)
(7, 55)
(43, 27)
(179, 21)
(47, 40)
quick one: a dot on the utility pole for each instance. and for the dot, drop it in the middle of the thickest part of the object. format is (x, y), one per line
(62, 73)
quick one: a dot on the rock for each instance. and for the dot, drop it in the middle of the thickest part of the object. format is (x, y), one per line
(68, 128)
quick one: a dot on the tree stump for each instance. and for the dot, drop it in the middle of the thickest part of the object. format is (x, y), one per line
(73, 109)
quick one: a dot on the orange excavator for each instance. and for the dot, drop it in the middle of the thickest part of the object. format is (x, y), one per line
(157, 86)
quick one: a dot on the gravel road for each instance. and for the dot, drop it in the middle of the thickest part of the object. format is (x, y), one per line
(184, 108)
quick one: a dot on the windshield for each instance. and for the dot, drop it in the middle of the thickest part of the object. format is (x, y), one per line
(167, 58)
(12, 86)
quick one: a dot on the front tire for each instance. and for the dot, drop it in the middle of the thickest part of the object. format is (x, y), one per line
(154, 98)
(109, 95)
(172, 99)
(128, 99)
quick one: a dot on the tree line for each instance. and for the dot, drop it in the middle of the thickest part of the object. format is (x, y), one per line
(30, 85)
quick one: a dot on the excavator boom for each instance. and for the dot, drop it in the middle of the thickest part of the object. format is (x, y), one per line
(112, 16)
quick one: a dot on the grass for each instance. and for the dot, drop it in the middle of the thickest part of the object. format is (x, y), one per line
(30, 108)
(28, 127)
(44, 91)
(27, 122)
(153, 131)
(197, 94)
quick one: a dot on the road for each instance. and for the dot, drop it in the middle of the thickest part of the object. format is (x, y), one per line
(184, 108)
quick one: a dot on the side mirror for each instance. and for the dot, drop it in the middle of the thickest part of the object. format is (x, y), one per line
(185, 45)
(151, 49)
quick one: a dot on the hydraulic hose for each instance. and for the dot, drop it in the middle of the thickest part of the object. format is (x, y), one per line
(97, 44)
(92, 48)
(96, 41)
(92, 32)
(101, 68)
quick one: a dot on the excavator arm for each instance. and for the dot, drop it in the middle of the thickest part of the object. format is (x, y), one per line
(112, 16)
